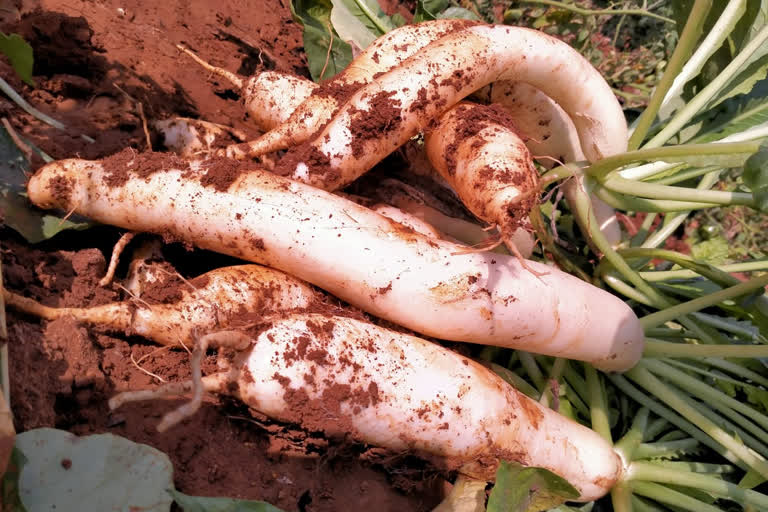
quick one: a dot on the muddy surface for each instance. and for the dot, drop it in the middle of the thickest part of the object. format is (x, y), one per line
(94, 62)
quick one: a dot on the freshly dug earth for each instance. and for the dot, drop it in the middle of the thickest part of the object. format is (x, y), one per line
(86, 54)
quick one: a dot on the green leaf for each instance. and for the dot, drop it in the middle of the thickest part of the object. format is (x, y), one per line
(738, 115)
(20, 54)
(756, 68)
(16, 211)
(99, 472)
(201, 504)
(398, 19)
(457, 13)
(755, 177)
(319, 36)
(522, 489)
(427, 10)
(9, 495)
(713, 251)
(359, 21)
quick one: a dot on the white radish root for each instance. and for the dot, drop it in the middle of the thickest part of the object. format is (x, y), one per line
(351, 379)
(278, 104)
(192, 137)
(383, 115)
(551, 137)
(350, 251)
(477, 151)
(382, 55)
(221, 298)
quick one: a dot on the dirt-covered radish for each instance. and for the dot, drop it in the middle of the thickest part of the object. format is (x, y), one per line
(475, 148)
(351, 379)
(551, 137)
(219, 299)
(383, 115)
(186, 138)
(350, 251)
(317, 108)
(191, 137)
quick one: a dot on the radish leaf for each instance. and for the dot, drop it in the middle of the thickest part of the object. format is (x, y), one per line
(319, 35)
(522, 489)
(360, 21)
(20, 54)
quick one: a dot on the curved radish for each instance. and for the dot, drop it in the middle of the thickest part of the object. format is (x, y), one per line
(278, 104)
(479, 154)
(351, 379)
(350, 251)
(382, 55)
(384, 114)
(551, 137)
(221, 298)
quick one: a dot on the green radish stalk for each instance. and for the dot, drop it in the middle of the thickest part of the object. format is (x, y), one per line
(222, 298)
(350, 251)
(384, 114)
(354, 380)
(551, 137)
(316, 109)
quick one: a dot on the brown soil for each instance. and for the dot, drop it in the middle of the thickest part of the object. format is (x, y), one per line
(63, 373)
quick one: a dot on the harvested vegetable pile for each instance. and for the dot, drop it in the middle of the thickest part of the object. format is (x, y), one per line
(341, 329)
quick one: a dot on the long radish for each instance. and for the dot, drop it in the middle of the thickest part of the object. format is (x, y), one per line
(551, 137)
(350, 251)
(477, 151)
(222, 298)
(382, 55)
(484, 195)
(351, 379)
(384, 114)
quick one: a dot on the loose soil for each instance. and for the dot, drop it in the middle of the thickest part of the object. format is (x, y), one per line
(93, 61)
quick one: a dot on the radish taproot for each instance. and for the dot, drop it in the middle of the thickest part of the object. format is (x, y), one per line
(476, 150)
(351, 379)
(218, 299)
(350, 251)
(384, 114)
(316, 109)
(551, 137)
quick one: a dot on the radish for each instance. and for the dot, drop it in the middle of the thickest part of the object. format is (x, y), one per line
(354, 253)
(551, 137)
(190, 137)
(384, 114)
(477, 151)
(351, 379)
(221, 298)
(382, 55)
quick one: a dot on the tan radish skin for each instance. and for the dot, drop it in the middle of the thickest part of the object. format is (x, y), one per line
(350, 378)
(357, 255)
(551, 133)
(430, 82)
(486, 163)
(385, 53)
(220, 301)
